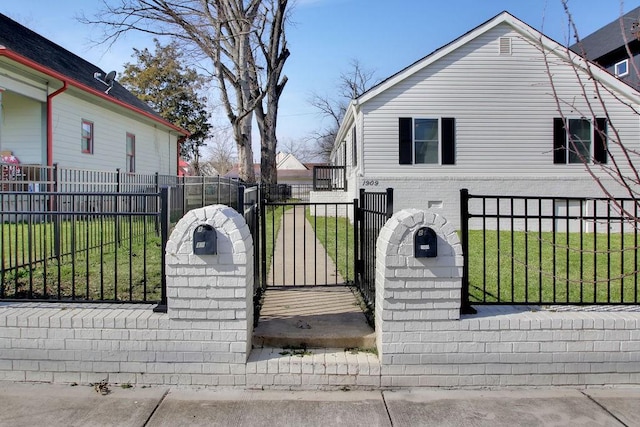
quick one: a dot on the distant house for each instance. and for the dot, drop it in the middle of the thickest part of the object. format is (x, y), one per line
(480, 113)
(58, 108)
(290, 170)
(615, 47)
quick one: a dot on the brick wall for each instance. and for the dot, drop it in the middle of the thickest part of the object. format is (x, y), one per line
(205, 338)
(423, 341)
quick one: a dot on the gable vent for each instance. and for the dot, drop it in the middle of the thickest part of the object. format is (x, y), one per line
(505, 45)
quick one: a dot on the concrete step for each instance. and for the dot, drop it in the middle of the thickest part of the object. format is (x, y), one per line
(312, 317)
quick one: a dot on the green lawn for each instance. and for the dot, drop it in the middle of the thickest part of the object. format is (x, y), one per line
(93, 259)
(547, 269)
(273, 220)
(336, 234)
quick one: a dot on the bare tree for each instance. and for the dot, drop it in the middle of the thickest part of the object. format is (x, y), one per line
(300, 148)
(230, 34)
(618, 172)
(351, 84)
(219, 155)
(272, 42)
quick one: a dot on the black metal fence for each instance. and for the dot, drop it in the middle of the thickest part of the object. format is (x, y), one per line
(549, 250)
(329, 178)
(306, 244)
(372, 212)
(249, 207)
(83, 235)
(187, 192)
(192, 192)
(82, 246)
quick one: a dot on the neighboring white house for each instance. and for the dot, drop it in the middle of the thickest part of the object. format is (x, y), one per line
(480, 113)
(58, 108)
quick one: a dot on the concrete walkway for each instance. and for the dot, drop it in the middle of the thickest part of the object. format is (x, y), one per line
(299, 309)
(56, 405)
(298, 256)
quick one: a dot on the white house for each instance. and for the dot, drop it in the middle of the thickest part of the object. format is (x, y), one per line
(58, 108)
(485, 112)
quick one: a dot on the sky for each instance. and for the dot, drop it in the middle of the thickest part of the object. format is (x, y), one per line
(324, 36)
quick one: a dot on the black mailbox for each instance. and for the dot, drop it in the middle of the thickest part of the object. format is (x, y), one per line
(205, 240)
(425, 243)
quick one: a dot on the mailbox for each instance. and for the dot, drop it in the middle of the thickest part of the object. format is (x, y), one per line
(205, 240)
(425, 243)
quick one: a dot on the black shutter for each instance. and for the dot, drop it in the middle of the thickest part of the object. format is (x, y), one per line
(559, 141)
(600, 141)
(448, 136)
(405, 144)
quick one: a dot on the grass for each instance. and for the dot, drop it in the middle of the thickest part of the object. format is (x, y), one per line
(273, 221)
(92, 260)
(567, 268)
(336, 234)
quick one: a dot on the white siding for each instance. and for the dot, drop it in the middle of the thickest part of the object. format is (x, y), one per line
(23, 130)
(503, 106)
(155, 148)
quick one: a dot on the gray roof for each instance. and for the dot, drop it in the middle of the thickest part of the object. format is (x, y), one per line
(610, 37)
(33, 46)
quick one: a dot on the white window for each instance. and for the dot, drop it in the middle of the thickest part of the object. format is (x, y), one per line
(427, 142)
(583, 141)
(622, 68)
(581, 136)
(86, 137)
(131, 153)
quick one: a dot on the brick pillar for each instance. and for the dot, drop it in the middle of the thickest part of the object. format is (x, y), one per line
(213, 291)
(413, 293)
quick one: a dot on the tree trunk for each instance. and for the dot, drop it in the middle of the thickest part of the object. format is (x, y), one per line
(275, 53)
(242, 131)
(268, 144)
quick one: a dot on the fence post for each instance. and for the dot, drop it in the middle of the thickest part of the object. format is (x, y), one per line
(263, 241)
(157, 191)
(203, 189)
(118, 207)
(357, 264)
(240, 199)
(361, 237)
(465, 306)
(164, 237)
(184, 195)
(218, 191)
(389, 207)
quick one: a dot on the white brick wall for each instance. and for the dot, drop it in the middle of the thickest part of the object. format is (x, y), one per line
(422, 341)
(215, 290)
(338, 209)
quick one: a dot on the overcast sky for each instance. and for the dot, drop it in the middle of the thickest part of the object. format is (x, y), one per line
(384, 35)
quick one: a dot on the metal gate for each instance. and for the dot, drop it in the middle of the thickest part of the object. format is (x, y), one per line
(307, 244)
(372, 212)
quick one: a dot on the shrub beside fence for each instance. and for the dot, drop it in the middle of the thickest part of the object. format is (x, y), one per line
(549, 250)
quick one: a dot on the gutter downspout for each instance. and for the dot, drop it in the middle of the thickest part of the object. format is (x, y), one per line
(50, 122)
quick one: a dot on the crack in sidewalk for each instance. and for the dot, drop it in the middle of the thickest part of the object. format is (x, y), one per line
(146, 422)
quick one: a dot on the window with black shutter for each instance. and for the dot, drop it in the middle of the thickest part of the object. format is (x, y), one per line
(581, 142)
(426, 141)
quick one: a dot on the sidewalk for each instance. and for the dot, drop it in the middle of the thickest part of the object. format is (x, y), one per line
(23, 404)
(299, 258)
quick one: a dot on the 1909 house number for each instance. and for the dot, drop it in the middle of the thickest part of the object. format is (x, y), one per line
(370, 182)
